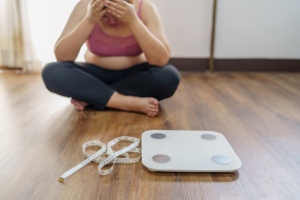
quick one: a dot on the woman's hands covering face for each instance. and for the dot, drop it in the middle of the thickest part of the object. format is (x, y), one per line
(122, 10)
(94, 13)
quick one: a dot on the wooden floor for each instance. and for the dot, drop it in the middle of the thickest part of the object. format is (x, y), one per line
(41, 137)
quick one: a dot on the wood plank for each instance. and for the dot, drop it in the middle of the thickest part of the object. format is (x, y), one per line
(41, 137)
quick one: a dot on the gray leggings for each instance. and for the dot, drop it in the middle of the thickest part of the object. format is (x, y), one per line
(94, 85)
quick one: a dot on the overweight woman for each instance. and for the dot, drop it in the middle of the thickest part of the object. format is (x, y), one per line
(127, 58)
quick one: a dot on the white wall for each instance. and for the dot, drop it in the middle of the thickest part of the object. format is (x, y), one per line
(245, 28)
(258, 29)
(48, 19)
(187, 25)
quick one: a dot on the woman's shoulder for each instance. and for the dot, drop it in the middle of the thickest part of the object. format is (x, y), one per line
(147, 10)
(82, 6)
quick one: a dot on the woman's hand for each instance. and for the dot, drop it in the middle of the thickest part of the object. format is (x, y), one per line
(94, 13)
(122, 10)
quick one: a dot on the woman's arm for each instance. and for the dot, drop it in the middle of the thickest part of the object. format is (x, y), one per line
(72, 38)
(151, 36)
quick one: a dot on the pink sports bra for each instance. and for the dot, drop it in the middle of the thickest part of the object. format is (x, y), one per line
(103, 44)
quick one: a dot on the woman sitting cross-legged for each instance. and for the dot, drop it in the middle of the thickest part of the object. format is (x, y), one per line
(127, 58)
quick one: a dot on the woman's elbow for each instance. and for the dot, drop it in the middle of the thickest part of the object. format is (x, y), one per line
(161, 62)
(60, 57)
(164, 62)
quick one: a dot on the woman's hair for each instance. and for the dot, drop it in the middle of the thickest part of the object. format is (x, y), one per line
(112, 0)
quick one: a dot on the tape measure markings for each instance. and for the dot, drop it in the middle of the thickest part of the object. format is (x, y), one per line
(112, 158)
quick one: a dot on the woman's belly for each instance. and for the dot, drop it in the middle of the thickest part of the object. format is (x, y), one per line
(114, 62)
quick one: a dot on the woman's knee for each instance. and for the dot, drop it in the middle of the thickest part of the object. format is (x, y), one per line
(52, 73)
(169, 80)
(173, 75)
(170, 77)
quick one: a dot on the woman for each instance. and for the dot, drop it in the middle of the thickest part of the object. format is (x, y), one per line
(126, 64)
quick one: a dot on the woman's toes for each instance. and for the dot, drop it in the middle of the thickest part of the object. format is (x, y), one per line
(77, 105)
(152, 106)
(153, 110)
(154, 101)
(83, 103)
(151, 114)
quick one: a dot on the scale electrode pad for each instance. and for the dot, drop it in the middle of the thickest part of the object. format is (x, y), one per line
(188, 151)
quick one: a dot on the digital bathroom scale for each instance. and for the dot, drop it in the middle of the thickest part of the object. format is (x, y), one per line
(188, 151)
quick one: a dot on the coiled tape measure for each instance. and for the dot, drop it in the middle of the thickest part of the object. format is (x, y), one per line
(100, 156)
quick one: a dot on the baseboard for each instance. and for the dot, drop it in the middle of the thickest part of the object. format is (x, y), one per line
(190, 64)
(257, 65)
(10, 68)
(238, 65)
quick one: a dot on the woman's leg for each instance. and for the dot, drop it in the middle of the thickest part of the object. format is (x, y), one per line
(89, 83)
(155, 82)
(72, 80)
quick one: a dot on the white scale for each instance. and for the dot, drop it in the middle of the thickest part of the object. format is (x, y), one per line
(188, 151)
(167, 151)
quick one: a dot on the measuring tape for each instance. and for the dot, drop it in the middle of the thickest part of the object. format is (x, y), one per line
(112, 157)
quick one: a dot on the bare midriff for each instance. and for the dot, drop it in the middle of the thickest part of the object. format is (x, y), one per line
(114, 62)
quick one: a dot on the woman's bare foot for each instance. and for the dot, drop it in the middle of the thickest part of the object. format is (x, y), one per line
(79, 105)
(147, 105)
